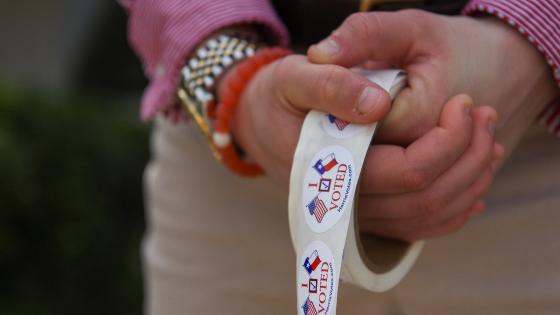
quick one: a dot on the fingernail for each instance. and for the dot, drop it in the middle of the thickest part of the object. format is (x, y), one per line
(468, 109)
(492, 126)
(369, 99)
(329, 46)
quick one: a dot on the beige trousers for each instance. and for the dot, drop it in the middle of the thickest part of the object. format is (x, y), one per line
(219, 244)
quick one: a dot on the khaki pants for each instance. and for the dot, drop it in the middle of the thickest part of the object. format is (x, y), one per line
(219, 244)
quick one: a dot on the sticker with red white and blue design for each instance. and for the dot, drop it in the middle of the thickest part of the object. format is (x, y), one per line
(316, 287)
(339, 128)
(328, 187)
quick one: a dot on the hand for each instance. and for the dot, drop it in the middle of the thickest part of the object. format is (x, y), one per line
(422, 179)
(445, 56)
(434, 185)
(271, 109)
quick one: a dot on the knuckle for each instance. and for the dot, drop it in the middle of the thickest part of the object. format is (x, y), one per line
(363, 23)
(431, 202)
(488, 154)
(480, 187)
(422, 20)
(463, 134)
(485, 150)
(482, 157)
(283, 69)
(282, 74)
(415, 179)
(426, 222)
(329, 82)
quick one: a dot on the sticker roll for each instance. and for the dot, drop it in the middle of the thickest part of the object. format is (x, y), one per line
(323, 224)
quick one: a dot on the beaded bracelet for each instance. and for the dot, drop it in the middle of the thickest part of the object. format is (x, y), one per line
(228, 98)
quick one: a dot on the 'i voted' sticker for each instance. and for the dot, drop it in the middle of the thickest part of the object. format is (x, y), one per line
(328, 187)
(317, 283)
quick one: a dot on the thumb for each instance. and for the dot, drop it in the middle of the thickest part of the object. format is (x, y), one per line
(330, 88)
(381, 36)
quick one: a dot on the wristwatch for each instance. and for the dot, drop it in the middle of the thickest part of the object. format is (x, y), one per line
(200, 73)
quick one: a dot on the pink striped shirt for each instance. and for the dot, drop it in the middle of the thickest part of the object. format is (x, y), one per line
(539, 21)
(163, 32)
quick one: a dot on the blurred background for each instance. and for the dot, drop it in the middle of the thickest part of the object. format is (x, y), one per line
(72, 152)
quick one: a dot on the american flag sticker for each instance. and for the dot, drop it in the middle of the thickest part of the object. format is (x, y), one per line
(309, 308)
(317, 208)
(340, 128)
(339, 123)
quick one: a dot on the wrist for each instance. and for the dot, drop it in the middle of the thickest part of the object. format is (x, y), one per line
(211, 82)
(200, 74)
(528, 76)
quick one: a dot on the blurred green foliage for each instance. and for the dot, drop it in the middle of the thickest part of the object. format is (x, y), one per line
(71, 213)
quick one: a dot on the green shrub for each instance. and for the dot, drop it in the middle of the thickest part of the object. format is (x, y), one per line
(71, 214)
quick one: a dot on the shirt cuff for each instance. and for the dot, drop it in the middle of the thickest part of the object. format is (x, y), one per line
(164, 32)
(539, 22)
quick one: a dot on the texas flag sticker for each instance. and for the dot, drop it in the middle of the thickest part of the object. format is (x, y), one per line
(325, 164)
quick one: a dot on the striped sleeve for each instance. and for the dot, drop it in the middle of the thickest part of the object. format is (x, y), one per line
(162, 32)
(539, 22)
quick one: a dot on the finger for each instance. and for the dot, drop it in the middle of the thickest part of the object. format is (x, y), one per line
(330, 88)
(434, 201)
(433, 220)
(474, 164)
(392, 228)
(476, 191)
(402, 40)
(392, 169)
(468, 201)
(426, 94)
(499, 156)
(387, 36)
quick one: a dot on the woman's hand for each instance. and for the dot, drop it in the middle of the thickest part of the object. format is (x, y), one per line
(271, 109)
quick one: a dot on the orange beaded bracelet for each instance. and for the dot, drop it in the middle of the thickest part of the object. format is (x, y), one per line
(228, 98)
